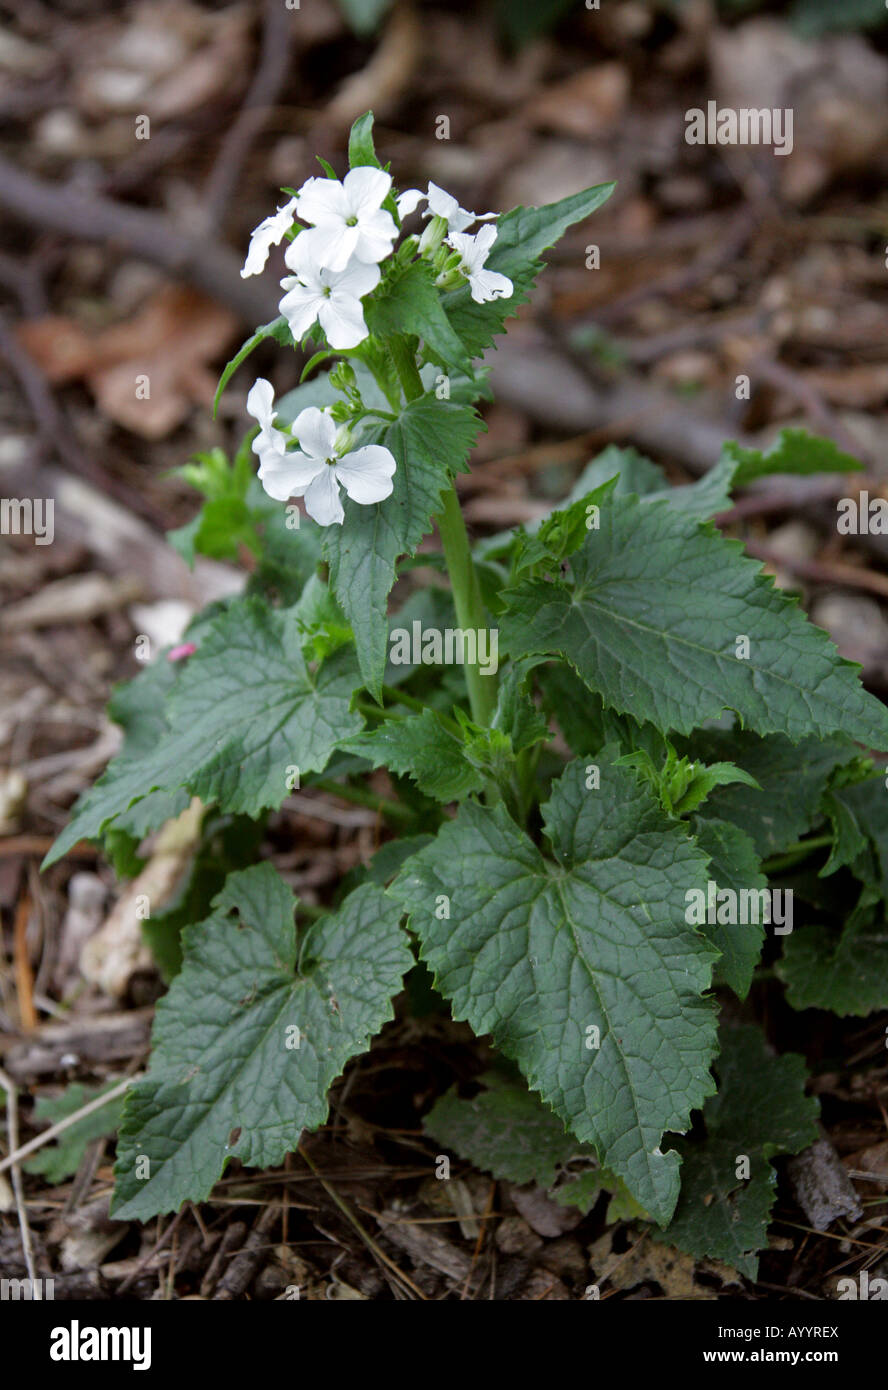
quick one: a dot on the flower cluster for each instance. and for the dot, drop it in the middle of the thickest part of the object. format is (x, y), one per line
(322, 460)
(334, 259)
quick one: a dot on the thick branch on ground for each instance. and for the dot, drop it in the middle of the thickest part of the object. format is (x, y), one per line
(74, 211)
(265, 88)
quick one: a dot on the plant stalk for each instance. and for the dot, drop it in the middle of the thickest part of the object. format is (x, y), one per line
(794, 854)
(358, 796)
(470, 613)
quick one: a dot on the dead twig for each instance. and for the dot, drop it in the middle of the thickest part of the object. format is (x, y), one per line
(805, 393)
(17, 1188)
(73, 210)
(24, 976)
(820, 571)
(54, 1130)
(265, 88)
(389, 1266)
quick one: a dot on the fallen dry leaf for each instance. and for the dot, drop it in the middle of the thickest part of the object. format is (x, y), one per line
(117, 951)
(146, 372)
(170, 58)
(586, 105)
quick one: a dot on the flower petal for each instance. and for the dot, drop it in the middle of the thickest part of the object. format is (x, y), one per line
(301, 257)
(342, 319)
(322, 200)
(315, 430)
(487, 285)
(366, 474)
(270, 232)
(260, 402)
(376, 234)
(289, 475)
(484, 239)
(270, 447)
(365, 189)
(465, 245)
(300, 307)
(322, 499)
(330, 247)
(443, 204)
(409, 201)
(356, 280)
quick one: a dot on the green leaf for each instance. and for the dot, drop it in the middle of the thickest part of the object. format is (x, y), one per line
(430, 441)
(61, 1159)
(227, 843)
(244, 709)
(247, 707)
(388, 859)
(734, 864)
(137, 707)
(288, 557)
(408, 302)
(421, 747)
(794, 451)
(506, 1130)
(220, 528)
(226, 1079)
(521, 23)
(582, 715)
(278, 329)
(540, 954)
(361, 149)
(859, 814)
(651, 620)
(522, 236)
(515, 713)
(321, 621)
(448, 759)
(680, 783)
(703, 499)
(760, 1110)
(845, 971)
(814, 17)
(792, 778)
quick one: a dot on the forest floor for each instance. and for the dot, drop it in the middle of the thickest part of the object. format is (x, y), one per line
(120, 256)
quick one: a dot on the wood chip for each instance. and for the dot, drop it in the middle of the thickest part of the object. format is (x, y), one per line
(821, 1185)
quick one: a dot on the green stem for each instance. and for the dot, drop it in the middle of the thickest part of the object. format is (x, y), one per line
(392, 693)
(794, 853)
(405, 365)
(360, 797)
(470, 613)
(370, 711)
(311, 910)
(400, 697)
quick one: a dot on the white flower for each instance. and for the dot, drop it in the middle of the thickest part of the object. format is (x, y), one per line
(347, 218)
(269, 233)
(270, 444)
(316, 469)
(333, 297)
(440, 204)
(473, 252)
